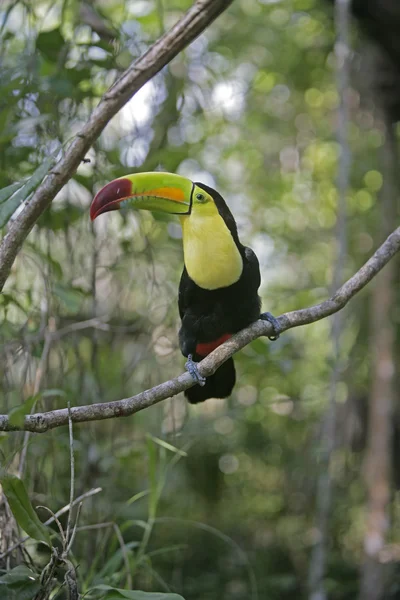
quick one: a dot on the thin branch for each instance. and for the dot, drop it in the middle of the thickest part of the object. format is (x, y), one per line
(192, 24)
(72, 538)
(42, 422)
(77, 500)
(58, 523)
(53, 518)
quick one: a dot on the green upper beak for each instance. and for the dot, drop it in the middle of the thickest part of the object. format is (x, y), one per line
(164, 192)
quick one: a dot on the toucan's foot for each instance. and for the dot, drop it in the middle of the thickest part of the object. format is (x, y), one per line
(191, 367)
(275, 324)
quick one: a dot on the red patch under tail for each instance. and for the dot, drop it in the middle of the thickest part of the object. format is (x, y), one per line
(204, 348)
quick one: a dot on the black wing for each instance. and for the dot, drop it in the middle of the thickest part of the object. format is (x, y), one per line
(253, 268)
(185, 292)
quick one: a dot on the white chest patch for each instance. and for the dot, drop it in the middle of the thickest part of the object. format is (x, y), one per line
(211, 256)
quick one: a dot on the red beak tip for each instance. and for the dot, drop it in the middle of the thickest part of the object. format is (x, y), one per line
(93, 210)
(109, 196)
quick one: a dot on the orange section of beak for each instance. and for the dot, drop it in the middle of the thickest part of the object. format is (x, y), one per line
(169, 193)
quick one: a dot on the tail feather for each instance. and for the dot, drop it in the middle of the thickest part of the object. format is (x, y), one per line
(219, 385)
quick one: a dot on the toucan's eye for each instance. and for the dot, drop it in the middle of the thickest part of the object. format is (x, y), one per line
(200, 197)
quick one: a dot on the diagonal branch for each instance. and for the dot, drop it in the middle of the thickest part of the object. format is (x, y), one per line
(192, 24)
(42, 422)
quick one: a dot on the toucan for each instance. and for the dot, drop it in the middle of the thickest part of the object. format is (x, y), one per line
(218, 290)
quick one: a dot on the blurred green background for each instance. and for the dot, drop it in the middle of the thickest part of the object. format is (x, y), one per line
(90, 311)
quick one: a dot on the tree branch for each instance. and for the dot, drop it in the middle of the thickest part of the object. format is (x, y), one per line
(192, 24)
(42, 422)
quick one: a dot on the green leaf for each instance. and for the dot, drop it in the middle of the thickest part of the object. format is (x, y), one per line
(138, 496)
(85, 181)
(3, 437)
(17, 575)
(18, 413)
(152, 457)
(116, 560)
(50, 43)
(8, 299)
(22, 509)
(19, 584)
(72, 298)
(138, 522)
(168, 446)
(76, 75)
(117, 593)
(55, 266)
(9, 206)
(8, 191)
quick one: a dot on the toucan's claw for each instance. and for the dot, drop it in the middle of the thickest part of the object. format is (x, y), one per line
(275, 324)
(191, 367)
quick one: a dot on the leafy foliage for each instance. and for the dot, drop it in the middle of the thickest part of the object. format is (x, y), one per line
(19, 583)
(249, 108)
(18, 500)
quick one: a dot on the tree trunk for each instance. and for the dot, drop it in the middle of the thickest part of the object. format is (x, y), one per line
(378, 457)
(318, 560)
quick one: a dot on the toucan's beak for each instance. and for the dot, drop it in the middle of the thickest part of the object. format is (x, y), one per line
(163, 192)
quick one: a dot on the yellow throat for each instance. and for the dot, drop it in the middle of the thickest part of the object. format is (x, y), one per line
(211, 256)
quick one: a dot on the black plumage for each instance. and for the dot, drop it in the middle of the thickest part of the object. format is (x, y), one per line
(211, 316)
